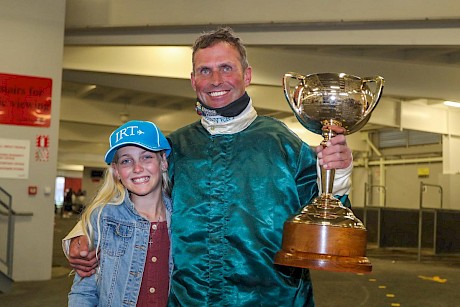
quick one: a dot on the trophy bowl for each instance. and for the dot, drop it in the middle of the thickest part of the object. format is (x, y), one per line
(326, 235)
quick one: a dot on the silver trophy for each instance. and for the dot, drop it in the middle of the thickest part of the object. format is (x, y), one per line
(325, 235)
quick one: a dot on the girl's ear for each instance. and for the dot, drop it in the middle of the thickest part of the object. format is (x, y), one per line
(115, 171)
(164, 162)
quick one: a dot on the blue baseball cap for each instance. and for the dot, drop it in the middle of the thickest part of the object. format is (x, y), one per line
(140, 133)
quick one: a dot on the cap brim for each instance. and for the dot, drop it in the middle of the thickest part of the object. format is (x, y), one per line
(111, 153)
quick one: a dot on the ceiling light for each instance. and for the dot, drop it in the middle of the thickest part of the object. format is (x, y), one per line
(124, 117)
(452, 104)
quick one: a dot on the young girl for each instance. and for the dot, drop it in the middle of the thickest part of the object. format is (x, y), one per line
(128, 223)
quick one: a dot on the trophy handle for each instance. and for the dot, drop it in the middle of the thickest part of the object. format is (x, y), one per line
(379, 81)
(288, 93)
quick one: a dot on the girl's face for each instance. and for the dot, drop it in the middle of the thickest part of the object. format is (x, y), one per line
(140, 170)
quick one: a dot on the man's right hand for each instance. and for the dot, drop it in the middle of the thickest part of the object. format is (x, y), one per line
(84, 262)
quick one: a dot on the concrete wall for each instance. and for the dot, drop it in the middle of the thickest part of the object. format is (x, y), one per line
(32, 34)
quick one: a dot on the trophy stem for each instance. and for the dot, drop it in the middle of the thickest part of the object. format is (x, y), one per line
(327, 180)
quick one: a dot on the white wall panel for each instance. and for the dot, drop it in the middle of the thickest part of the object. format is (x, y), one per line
(387, 113)
(423, 118)
(451, 154)
(454, 121)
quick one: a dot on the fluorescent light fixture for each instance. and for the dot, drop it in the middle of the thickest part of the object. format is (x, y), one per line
(452, 104)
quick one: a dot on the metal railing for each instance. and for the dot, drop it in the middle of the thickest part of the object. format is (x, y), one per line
(6, 209)
(367, 190)
(420, 217)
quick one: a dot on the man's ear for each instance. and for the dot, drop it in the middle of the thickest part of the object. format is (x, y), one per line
(247, 76)
(192, 80)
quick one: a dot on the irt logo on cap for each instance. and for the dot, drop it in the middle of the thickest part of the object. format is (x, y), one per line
(127, 132)
(139, 133)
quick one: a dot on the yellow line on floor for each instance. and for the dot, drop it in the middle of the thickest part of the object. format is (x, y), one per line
(434, 278)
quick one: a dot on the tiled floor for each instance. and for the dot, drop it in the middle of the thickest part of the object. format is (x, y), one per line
(398, 279)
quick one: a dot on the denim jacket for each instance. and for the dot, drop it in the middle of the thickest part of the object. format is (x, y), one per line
(123, 249)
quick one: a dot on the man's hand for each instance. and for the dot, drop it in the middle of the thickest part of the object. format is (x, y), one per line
(80, 259)
(336, 154)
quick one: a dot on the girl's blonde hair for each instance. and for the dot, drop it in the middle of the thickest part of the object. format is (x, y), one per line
(113, 192)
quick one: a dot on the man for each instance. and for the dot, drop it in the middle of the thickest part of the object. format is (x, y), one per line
(236, 178)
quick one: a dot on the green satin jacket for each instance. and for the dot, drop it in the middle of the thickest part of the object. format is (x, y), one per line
(232, 194)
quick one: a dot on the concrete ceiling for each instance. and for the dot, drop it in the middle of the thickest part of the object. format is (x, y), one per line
(108, 79)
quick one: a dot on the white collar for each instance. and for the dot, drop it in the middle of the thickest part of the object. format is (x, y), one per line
(229, 125)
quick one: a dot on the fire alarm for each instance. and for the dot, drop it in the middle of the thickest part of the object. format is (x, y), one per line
(33, 190)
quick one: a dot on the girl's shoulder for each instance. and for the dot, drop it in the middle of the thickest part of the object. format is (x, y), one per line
(110, 209)
(168, 202)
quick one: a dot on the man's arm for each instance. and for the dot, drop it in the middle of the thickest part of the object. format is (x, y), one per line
(76, 248)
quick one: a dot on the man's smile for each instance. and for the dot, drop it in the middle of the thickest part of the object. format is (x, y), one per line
(219, 93)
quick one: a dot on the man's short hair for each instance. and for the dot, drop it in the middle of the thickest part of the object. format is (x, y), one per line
(223, 34)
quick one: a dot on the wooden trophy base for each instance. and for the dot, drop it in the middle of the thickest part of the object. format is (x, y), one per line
(324, 247)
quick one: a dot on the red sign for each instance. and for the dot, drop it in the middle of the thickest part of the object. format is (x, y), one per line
(42, 141)
(25, 101)
(42, 151)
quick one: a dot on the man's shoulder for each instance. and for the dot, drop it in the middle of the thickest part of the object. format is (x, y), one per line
(273, 125)
(271, 121)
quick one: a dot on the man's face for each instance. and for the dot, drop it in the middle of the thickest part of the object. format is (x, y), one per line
(218, 77)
